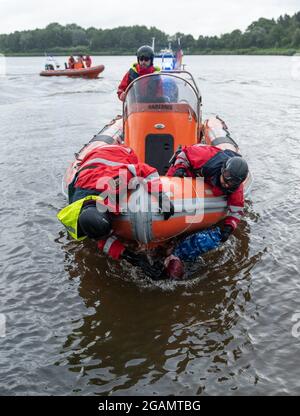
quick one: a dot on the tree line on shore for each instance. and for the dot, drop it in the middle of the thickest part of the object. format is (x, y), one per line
(263, 34)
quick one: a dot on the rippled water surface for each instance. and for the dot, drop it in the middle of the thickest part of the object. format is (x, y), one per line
(77, 324)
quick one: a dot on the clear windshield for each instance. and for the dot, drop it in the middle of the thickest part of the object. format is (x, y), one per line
(165, 62)
(161, 88)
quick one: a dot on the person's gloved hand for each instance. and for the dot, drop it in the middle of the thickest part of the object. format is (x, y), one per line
(154, 271)
(166, 206)
(180, 173)
(226, 232)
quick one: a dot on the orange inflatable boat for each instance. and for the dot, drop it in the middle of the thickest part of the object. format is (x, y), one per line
(90, 73)
(161, 113)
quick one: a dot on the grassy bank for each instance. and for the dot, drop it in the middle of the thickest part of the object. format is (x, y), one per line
(249, 51)
(67, 52)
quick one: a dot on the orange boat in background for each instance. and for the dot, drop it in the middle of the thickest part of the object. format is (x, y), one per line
(90, 73)
(162, 113)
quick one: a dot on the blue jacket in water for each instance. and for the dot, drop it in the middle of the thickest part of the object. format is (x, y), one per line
(197, 244)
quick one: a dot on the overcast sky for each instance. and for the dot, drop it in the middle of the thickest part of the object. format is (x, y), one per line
(196, 17)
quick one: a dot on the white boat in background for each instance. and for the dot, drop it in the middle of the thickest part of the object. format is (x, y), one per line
(167, 59)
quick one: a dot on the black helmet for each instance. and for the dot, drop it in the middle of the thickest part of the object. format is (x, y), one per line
(93, 223)
(235, 171)
(146, 51)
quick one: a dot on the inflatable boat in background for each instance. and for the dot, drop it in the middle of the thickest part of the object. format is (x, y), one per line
(89, 73)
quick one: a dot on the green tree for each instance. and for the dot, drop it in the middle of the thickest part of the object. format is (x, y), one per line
(26, 41)
(13, 42)
(263, 33)
(201, 43)
(296, 38)
(188, 42)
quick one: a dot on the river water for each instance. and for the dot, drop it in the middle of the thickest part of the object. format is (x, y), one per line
(78, 324)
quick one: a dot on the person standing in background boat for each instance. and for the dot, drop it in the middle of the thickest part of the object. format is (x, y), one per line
(71, 62)
(143, 66)
(81, 60)
(79, 64)
(88, 61)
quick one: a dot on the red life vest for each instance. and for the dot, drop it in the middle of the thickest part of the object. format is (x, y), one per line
(135, 72)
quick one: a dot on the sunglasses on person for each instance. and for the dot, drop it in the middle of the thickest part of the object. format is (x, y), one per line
(144, 58)
(230, 180)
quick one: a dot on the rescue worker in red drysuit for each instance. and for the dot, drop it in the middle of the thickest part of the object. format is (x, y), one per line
(144, 66)
(224, 171)
(101, 173)
(88, 61)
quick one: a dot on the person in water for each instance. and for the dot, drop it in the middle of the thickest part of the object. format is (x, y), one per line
(143, 66)
(225, 171)
(96, 193)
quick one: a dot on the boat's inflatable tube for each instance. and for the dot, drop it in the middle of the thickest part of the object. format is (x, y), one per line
(195, 208)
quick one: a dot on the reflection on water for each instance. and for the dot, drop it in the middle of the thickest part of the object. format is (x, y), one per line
(185, 334)
(77, 323)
